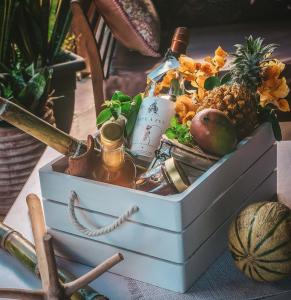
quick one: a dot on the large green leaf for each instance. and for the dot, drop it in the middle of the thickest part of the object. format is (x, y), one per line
(7, 11)
(104, 116)
(40, 30)
(33, 90)
(211, 82)
(27, 33)
(60, 29)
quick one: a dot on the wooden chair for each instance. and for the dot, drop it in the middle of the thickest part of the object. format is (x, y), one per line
(95, 43)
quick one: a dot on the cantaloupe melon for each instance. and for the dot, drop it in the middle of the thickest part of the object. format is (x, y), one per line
(260, 241)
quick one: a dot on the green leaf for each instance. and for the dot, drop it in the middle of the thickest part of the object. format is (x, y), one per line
(30, 70)
(176, 88)
(34, 89)
(7, 12)
(104, 116)
(137, 100)
(60, 29)
(173, 122)
(211, 82)
(170, 133)
(135, 106)
(120, 96)
(275, 125)
(115, 111)
(267, 114)
(225, 79)
(126, 108)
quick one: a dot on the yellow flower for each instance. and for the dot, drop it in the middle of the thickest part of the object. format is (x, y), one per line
(189, 116)
(201, 93)
(188, 64)
(184, 104)
(166, 82)
(272, 69)
(282, 89)
(219, 61)
(208, 69)
(220, 52)
(272, 91)
(283, 105)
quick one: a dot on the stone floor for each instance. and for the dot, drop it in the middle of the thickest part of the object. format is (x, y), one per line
(84, 117)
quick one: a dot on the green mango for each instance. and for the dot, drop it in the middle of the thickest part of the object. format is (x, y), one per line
(214, 132)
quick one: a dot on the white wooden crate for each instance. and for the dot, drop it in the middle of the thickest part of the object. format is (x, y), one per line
(173, 212)
(165, 274)
(183, 221)
(181, 244)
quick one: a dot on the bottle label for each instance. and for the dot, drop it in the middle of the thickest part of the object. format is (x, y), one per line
(152, 121)
(170, 64)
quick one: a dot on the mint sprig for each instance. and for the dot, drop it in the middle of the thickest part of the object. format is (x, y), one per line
(179, 132)
(121, 104)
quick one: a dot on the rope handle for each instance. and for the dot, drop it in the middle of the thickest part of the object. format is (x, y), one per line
(101, 230)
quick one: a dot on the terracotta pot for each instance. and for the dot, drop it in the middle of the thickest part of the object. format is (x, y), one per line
(19, 154)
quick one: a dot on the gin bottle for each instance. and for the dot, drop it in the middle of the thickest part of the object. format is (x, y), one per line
(158, 108)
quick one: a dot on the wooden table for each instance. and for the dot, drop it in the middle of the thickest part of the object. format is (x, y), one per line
(114, 286)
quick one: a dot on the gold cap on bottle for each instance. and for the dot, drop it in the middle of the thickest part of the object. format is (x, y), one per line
(176, 174)
(180, 40)
(111, 135)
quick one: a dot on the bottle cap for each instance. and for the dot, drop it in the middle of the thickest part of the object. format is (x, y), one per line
(180, 40)
(176, 174)
(111, 135)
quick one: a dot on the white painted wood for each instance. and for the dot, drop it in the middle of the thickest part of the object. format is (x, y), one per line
(176, 247)
(173, 276)
(284, 173)
(168, 212)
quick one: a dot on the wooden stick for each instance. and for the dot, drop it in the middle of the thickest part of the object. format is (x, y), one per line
(55, 289)
(21, 294)
(22, 250)
(39, 230)
(38, 128)
(73, 286)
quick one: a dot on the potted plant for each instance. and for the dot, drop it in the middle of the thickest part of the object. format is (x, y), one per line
(34, 70)
(39, 33)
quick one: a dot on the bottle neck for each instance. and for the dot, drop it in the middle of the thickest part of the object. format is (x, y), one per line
(113, 158)
(180, 41)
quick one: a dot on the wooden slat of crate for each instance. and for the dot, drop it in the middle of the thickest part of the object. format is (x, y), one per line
(171, 212)
(220, 176)
(173, 276)
(176, 247)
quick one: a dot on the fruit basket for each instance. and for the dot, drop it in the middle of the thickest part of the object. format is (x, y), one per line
(192, 224)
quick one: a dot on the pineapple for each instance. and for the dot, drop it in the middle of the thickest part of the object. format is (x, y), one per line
(237, 99)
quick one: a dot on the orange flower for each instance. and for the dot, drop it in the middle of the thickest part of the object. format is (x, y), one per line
(220, 52)
(172, 74)
(272, 69)
(283, 105)
(219, 61)
(188, 64)
(282, 89)
(166, 82)
(208, 69)
(273, 91)
(189, 116)
(183, 105)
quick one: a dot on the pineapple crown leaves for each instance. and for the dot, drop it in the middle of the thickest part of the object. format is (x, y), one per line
(248, 57)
